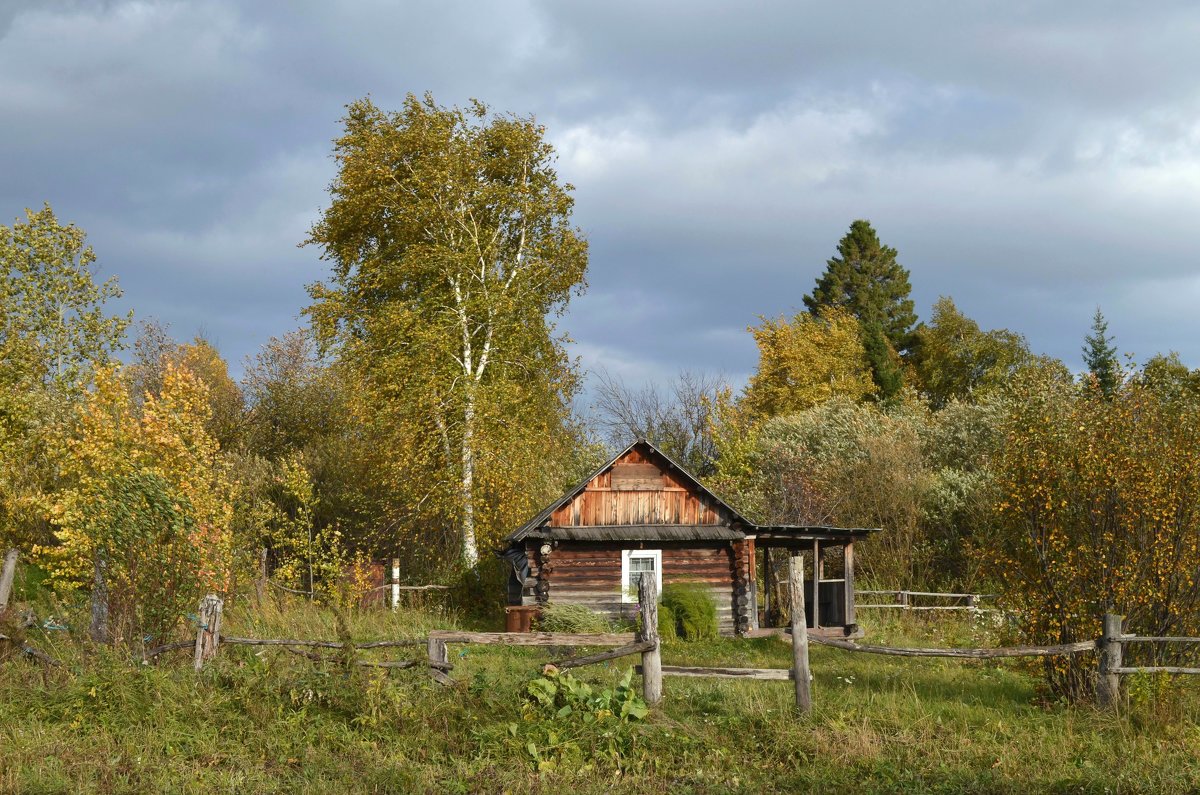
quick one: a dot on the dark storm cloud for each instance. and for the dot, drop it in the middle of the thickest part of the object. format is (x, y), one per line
(1032, 160)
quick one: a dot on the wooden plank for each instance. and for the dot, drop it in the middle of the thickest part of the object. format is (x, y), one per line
(800, 669)
(1159, 669)
(1166, 639)
(599, 657)
(977, 654)
(533, 638)
(775, 674)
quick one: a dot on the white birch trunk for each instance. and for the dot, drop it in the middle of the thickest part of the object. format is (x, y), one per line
(470, 548)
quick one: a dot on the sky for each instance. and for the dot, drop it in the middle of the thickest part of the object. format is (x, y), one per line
(1034, 161)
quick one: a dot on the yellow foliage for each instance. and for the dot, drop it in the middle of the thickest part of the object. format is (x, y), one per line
(167, 445)
(806, 361)
(1099, 511)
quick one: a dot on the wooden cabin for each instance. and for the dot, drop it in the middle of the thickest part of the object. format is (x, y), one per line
(642, 514)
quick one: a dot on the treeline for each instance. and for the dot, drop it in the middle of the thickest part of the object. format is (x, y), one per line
(430, 406)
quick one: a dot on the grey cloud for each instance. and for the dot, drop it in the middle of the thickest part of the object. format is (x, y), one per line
(1032, 160)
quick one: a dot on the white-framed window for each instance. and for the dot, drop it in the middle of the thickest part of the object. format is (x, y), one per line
(638, 563)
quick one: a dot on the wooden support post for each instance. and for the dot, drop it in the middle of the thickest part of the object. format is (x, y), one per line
(767, 605)
(395, 583)
(439, 657)
(973, 602)
(208, 636)
(903, 597)
(848, 594)
(816, 605)
(1108, 684)
(652, 657)
(6, 577)
(799, 635)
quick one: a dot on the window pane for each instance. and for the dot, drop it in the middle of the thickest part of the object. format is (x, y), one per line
(641, 564)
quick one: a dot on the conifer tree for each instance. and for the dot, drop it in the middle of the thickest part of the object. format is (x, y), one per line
(865, 279)
(1100, 356)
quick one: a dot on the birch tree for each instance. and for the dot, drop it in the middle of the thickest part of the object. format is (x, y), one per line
(452, 252)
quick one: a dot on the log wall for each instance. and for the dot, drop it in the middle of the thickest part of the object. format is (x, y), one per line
(589, 574)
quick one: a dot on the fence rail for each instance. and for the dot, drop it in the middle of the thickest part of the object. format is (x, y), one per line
(904, 600)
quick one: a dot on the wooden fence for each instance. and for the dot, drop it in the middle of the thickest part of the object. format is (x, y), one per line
(906, 600)
(646, 642)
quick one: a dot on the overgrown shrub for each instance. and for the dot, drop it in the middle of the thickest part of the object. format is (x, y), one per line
(693, 609)
(559, 617)
(667, 627)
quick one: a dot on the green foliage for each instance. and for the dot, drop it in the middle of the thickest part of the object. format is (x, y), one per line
(278, 723)
(54, 331)
(566, 617)
(956, 360)
(866, 280)
(1100, 357)
(568, 723)
(668, 626)
(693, 610)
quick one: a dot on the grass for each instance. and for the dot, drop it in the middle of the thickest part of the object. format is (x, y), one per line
(262, 720)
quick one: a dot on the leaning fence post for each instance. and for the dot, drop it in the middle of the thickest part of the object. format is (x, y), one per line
(651, 658)
(439, 657)
(6, 577)
(208, 636)
(800, 669)
(1108, 684)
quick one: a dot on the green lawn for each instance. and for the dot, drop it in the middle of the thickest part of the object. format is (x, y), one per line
(262, 720)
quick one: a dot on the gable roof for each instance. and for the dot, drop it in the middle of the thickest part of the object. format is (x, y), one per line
(537, 521)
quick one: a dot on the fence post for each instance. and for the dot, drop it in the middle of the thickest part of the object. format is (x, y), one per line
(652, 658)
(208, 636)
(438, 655)
(395, 583)
(6, 577)
(903, 596)
(800, 669)
(1108, 684)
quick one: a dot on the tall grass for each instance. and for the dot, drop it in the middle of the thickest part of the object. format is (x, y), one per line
(263, 720)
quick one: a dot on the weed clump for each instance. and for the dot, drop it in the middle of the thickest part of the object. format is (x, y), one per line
(577, 619)
(693, 609)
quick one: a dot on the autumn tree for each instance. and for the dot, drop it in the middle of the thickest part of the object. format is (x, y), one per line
(1098, 512)
(806, 361)
(155, 352)
(675, 416)
(144, 508)
(866, 280)
(452, 250)
(957, 360)
(55, 328)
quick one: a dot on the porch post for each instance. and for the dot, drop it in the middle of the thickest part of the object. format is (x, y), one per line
(817, 573)
(848, 558)
(767, 587)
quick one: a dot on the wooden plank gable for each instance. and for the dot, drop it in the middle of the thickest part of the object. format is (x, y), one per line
(639, 488)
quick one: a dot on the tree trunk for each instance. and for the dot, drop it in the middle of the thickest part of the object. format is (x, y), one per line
(470, 548)
(99, 627)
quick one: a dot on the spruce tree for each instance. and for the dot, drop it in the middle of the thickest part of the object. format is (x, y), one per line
(865, 279)
(1100, 356)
